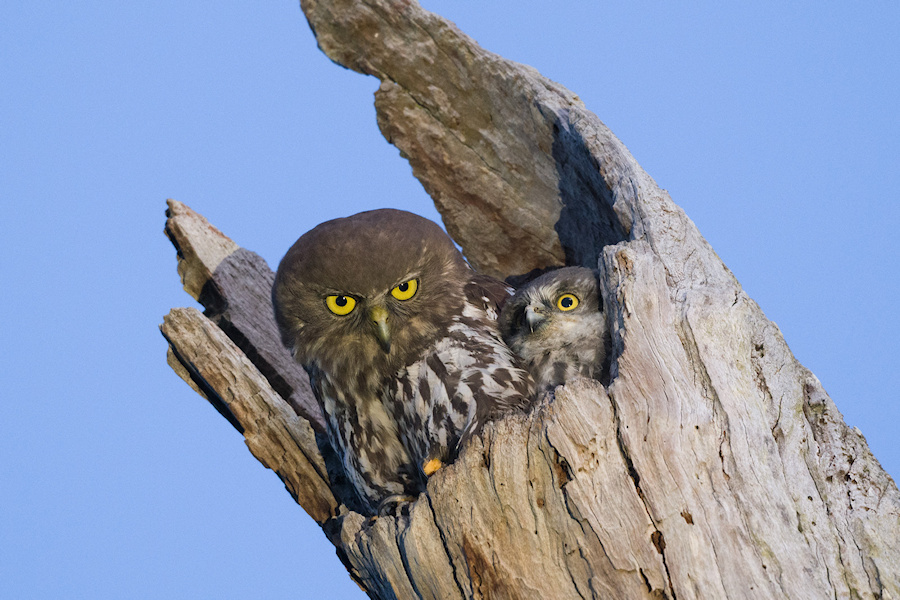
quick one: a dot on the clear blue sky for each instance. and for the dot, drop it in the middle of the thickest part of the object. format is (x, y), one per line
(775, 127)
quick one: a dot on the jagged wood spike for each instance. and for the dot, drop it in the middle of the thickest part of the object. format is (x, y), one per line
(283, 441)
(234, 286)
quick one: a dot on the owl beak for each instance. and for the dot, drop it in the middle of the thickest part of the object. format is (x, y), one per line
(534, 317)
(378, 315)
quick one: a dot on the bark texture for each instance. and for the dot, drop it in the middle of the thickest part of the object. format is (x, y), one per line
(714, 465)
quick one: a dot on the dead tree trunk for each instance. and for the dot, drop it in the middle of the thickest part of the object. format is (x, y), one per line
(713, 465)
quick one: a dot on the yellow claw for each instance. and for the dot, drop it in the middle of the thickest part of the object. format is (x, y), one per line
(431, 466)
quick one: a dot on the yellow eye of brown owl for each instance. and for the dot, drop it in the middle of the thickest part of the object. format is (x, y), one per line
(405, 290)
(340, 305)
(566, 302)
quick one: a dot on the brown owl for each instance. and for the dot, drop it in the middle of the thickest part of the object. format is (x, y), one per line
(557, 327)
(400, 340)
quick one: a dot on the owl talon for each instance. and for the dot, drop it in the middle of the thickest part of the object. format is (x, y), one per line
(393, 505)
(431, 466)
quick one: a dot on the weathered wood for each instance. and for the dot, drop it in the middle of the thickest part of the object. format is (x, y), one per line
(215, 367)
(684, 480)
(713, 466)
(234, 286)
(493, 142)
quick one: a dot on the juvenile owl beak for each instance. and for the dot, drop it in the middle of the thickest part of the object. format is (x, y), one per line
(378, 315)
(534, 317)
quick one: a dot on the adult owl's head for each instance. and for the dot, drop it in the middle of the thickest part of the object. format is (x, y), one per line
(367, 291)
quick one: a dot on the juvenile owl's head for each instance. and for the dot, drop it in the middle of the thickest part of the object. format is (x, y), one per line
(556, 325)
(368, 291)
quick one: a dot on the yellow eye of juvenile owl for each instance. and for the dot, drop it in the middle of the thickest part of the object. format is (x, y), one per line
(340, 305)
(566, 302)
(405, 290)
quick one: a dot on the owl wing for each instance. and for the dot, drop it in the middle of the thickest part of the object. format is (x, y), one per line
(500, 385)
(467, 378)
(488, 293)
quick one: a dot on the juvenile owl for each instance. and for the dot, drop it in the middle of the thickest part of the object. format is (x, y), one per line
(556, 325)
(400, 340)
